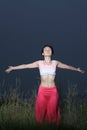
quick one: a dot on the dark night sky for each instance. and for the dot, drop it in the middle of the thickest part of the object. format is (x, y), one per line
(26, 25)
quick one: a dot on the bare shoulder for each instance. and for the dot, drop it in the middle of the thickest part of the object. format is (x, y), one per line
(56, 61)
(38, 62)
(34, 64)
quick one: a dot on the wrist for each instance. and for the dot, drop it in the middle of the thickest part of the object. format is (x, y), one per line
(13, 68)
(78, 69)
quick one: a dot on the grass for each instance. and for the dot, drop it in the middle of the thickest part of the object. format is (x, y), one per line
(17, 112)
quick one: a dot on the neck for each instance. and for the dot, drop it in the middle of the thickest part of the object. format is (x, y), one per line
(47, 60)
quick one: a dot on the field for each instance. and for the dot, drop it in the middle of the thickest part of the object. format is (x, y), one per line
(18, 113)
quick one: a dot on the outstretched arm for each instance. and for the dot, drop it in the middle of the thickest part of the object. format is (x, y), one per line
(24, 66)
(64, 66)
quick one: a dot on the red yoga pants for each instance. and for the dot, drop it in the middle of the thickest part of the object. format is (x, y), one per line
(47, 105)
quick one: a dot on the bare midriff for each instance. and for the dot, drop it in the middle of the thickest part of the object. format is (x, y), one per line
(47, 81)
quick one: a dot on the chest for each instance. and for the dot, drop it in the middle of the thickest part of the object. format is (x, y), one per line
(47, 69)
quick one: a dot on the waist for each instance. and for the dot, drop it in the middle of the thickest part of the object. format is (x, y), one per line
(47, 91)
(47, 87)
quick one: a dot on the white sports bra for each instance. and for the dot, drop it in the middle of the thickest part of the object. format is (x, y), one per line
(47, 69)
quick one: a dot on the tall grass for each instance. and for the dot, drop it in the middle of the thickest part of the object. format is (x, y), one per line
(17, 112)
(74, 111)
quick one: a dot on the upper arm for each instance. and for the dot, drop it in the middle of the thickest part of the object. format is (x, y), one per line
(33, 65)
(61, 65)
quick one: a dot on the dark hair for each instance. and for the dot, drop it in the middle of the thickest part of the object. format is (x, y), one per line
(49, 47)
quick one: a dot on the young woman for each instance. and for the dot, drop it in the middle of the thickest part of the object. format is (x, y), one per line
(47, 101)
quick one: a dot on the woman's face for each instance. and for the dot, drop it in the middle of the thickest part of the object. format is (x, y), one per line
(47, 51)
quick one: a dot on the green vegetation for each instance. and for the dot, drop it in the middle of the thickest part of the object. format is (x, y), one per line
(17, 112)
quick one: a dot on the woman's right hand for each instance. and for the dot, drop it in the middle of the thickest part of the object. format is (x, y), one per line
(9, 69)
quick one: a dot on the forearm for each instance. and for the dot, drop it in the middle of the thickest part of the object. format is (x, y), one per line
(64, 66)
(72, 68)
(19, 67)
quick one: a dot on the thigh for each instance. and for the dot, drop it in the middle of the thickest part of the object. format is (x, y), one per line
(53, 101)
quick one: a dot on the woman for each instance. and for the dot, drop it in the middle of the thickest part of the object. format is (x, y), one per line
(47, 101)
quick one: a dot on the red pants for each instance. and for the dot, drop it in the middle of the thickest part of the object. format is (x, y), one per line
(47, 107)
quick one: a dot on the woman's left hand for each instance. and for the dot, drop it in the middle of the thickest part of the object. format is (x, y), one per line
(81, 71)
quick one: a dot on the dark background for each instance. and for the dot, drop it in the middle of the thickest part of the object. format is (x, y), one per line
(27, 25)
